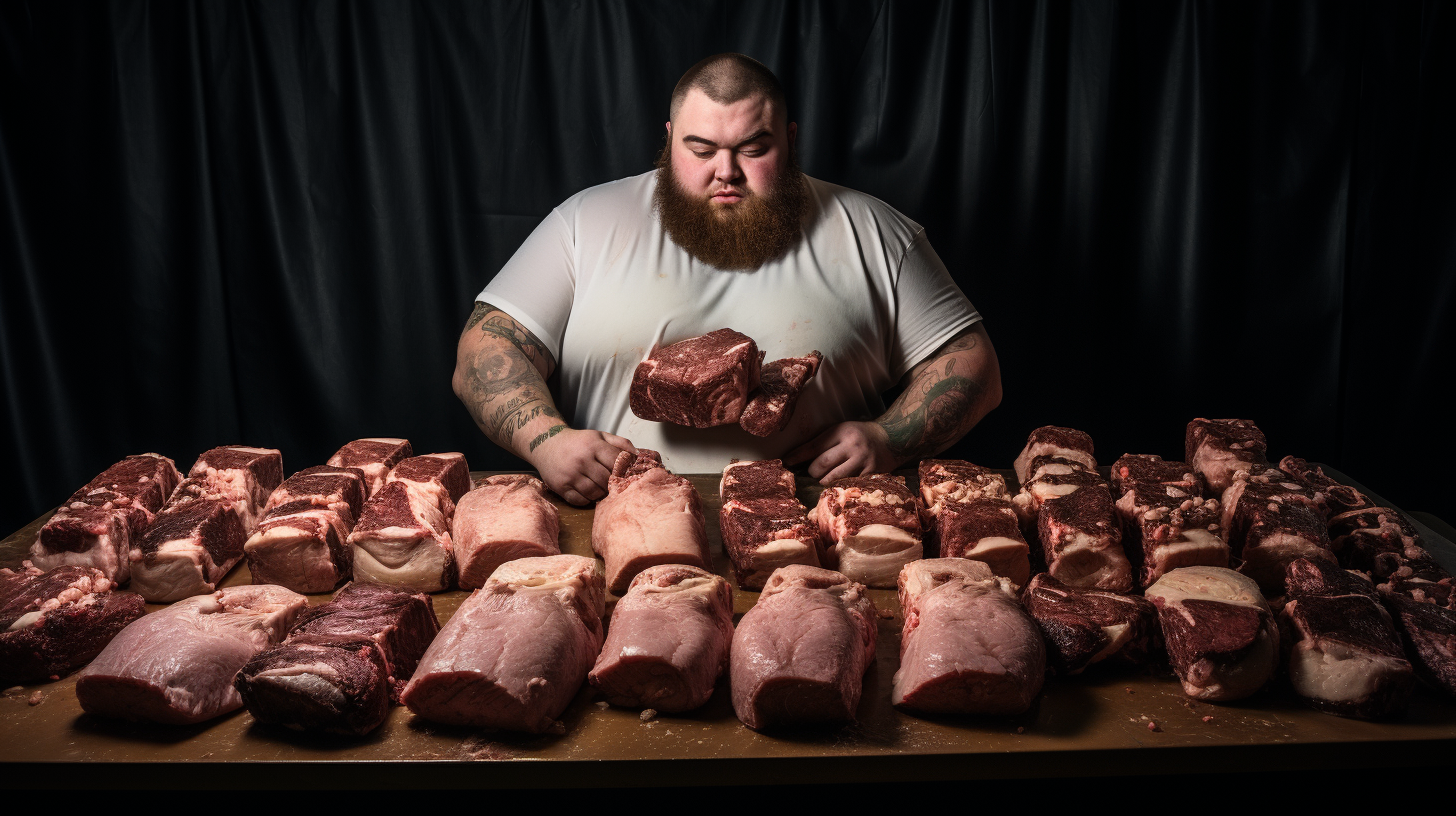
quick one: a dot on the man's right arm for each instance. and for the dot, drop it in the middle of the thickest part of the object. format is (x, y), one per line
(500, 375)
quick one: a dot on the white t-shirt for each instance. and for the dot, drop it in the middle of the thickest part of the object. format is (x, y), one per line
(599, 282)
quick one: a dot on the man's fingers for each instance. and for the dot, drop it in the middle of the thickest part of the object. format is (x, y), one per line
(606, 456)
(826, 463)
(846, 469)
(620, 442)
(809, 450)
(573, 497)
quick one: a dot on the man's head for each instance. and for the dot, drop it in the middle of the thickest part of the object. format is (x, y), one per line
(729, 190)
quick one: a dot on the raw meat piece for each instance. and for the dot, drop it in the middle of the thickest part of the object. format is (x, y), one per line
(245, 475)
(1383, 543)
(52, 621)
(1217, 449)
(1334, 498)
(1429, 633)
(966, 513)
(967, 647)
(650, 516)
(800, 654)
(763, 523)
(302, 541)
(343, 662)
(1050, 440)
(1087, 626)
(1052, 477)
(190, 547)
(1270, 528)
(943, 480)
(1167, 527)
(516, 652)
(1346, 658)
(1221, 637)
(375, 457)
(506, 518)
(699, 382)
(870, 528)
(771, 407)
(1141, 468)
(97, 526)
(668, 642)
(177, 665)
(403, 540)
(445, 477)
(1081, 540)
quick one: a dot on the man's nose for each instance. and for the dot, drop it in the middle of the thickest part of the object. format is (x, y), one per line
(725, 167)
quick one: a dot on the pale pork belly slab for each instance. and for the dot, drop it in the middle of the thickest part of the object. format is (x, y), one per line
(374, 457)
(1084, 627)
(700, 382)
(771, 407)
(517, 650)
(1217, 449)
(1167, 527)
(343, 662)
(53, 621)
(1221, 637)
(967, 647)
(506, 518)
(764, 524)
(668, 640)
(967, 513)
(177, 665)
(800, 654)
(403, 540)
(98, 524)
(1050, 440)
(302, 541)
(1346, 658)
(650, 516)
(869, 528)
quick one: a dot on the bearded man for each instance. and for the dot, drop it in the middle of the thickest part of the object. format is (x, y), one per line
(726, 233)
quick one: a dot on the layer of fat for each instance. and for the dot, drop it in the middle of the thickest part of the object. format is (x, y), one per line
(875, 555)
(1209, 584)
(1118, 635)
(1332, 671)
(551, 573)
(422, 567)
(1193, 548)
(106, 552)
(173, 573)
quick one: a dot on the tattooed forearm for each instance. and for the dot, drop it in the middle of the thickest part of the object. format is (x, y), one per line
(935, 411)
(500, 372)
(550, 432)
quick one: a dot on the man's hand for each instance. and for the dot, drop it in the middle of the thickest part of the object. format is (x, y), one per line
(576, 464)
(844, 450)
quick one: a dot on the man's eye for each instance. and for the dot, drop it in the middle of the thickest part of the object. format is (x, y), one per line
(703, 154)
(753, 152)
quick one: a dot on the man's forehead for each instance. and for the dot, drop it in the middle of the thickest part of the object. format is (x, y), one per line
(725, 123)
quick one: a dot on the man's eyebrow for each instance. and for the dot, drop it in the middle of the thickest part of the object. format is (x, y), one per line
(710, 143)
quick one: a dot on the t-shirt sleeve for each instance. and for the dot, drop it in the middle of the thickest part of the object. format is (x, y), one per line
(537, 284)
(931, 309)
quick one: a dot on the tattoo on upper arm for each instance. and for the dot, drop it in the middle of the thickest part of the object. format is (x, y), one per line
(495, 322)
(933, 412)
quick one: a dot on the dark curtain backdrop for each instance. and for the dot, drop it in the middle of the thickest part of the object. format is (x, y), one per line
(264, 223)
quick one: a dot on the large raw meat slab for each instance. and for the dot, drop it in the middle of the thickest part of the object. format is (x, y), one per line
(699, 382)
(177, 665)
(668, 640)
(1221, 637)
(444, 477)
(1051, 440)
(771, 407)
(374, 457)
(764, 524)
(1166, 527)
(967, 646)
(1346, 658)
(506, 518)
(343, 662)
(53, 621)
(1084, 627)
(1271, 522)
(517, 650)
(302, 541)
(1429, 633)
(869, 528)
(98, 524)
(403, 540)
(650, 516)
(246, 476)
(1082, 542)
(800, 654)
(966, 513)
(1217, 449)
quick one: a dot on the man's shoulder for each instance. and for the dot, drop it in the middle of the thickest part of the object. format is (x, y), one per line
(861, 208)
(612, 196)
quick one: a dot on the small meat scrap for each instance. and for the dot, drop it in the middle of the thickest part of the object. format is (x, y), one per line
(506, 518)
(1221, 637)
(99, 524)
(967, 513)
(1167, 527)
(517, 650)
(1217, 449)
(650, 516)
(668, 642)
(302, 541)
(764, 524)
(771, 406)
(967, 647)
(56, 620)
(177, 665)
(343, 662)
(375, 457)
(869, 528)
(800, 654)
(699, 382)
(1050, 440)
(1084, 627)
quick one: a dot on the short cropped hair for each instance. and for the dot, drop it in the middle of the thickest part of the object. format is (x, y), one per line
(729, 78)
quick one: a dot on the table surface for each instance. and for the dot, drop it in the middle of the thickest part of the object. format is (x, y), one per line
(1106, 722)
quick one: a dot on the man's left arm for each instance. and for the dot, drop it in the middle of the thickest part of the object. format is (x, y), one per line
(944, 397)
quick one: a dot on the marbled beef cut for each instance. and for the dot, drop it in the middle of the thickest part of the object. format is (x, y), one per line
(302, 541)
(53, 621)
(403, 540)
(699, 382)
(763, 523)
(374, 457)
(506, 518)
(1221, 637)
(869, 527)
(1167, 527)
(966, 513)
(1050, 440)
(1217, 449)
(1088, 626)
(771, 407)
(650, 516)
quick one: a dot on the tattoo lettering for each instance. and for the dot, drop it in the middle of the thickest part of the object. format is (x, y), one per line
(554, 430)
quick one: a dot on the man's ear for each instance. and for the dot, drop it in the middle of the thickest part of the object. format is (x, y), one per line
(669, 130)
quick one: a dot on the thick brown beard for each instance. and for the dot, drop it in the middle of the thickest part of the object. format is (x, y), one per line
(747, 235)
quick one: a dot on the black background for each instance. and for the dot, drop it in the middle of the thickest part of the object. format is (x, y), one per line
(265, 223)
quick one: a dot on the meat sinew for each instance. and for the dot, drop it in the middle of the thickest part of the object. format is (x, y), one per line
(56, 620)
(506, 518)
(650, 516)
